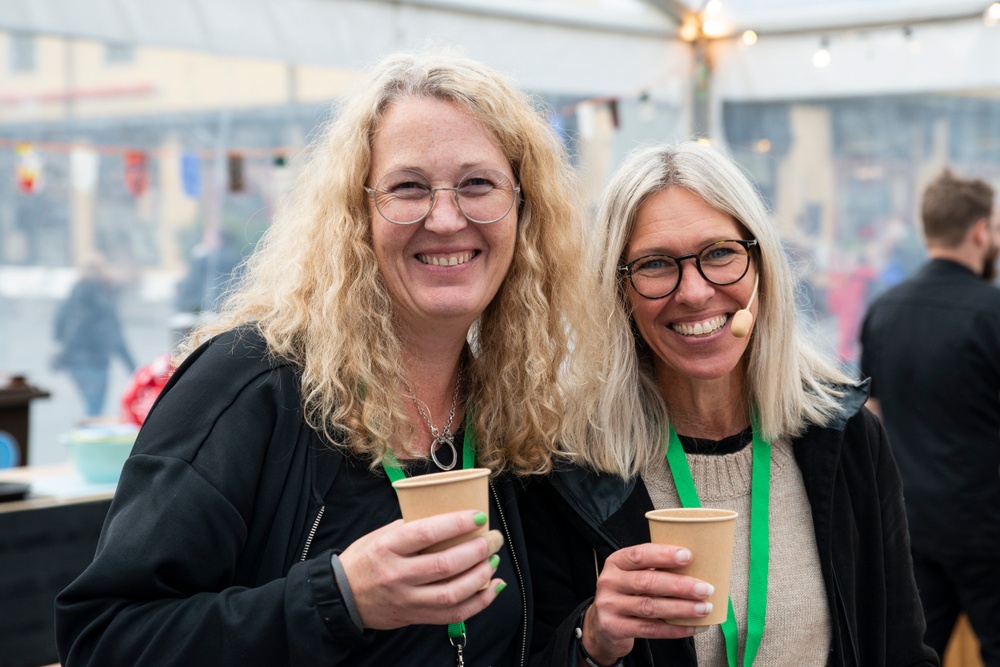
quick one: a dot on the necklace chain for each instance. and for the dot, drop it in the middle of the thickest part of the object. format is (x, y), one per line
(444, 437)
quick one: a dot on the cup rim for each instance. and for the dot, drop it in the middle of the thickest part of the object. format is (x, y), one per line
(438, 478)
(691, 515)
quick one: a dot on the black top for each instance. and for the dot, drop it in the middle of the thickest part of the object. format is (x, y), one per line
(205, 558)
(932, 348)
(365, 501)
(574, 519)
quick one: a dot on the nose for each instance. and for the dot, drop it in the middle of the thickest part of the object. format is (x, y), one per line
(693, 289)
(445, 217)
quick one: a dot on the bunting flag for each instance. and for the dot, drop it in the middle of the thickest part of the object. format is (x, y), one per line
(647, 110)
(29, 169)
(191, 174)
(83, 169)
(235, 163)
(613, 108)
(586, 120)
(281, 177)
(136, 174)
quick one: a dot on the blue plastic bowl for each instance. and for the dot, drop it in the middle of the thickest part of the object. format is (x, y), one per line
(99, 452)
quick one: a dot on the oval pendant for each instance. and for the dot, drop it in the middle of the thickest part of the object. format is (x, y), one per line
(442, 441)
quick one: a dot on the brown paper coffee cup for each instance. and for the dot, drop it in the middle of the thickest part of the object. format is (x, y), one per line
(441, 492)
(709, 534)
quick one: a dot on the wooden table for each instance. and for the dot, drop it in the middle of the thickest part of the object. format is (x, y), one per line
(46, 540)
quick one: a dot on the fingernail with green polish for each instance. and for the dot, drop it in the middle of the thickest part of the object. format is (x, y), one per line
(494, 561)
(480, 518)
(500, 587)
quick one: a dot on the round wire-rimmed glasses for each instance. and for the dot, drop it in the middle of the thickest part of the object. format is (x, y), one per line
(405, 197)
(720, 263)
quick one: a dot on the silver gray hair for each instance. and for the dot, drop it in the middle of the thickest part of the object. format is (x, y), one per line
(790, 383)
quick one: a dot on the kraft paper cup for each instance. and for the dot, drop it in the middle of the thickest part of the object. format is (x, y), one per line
(708, 533)
(441, 492)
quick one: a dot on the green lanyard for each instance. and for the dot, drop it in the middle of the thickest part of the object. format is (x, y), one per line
(760, 491)
(456, 631)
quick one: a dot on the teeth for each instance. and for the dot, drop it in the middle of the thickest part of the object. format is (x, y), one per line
(446, 260)
(701, 328)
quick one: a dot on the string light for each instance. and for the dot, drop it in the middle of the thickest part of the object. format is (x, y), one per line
(689, 30)
(749, 37)
(912, 43)
(822, 56)
(992, 15)
(713, 28)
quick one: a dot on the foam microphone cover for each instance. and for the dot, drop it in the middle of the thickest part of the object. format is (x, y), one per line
(742, 320)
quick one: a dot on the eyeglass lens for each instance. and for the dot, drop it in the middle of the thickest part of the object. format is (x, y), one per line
(721, 263)
(405, 197)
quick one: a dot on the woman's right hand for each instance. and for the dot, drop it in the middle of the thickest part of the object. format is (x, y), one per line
(636, 598)
(394, 584)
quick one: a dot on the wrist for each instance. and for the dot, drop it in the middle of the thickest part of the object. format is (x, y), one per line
(340, 578)
(590, 660)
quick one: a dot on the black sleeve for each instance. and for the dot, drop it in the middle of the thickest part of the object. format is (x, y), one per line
(563, 573)
(177, 579)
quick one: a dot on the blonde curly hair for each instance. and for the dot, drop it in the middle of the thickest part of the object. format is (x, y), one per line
(313, 289)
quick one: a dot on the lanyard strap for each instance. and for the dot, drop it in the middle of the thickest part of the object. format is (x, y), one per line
(456, 631)
(760, 491)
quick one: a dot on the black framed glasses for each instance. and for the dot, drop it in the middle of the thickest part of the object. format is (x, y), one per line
(405, 197)
(720, 263)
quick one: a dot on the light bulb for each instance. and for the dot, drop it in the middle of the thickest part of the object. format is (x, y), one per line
(822, 56)
(992, 15)
(749, 37)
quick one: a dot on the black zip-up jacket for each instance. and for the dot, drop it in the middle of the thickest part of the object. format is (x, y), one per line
(573, 517)
(205, 555)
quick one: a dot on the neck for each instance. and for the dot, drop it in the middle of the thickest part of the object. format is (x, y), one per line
(965, 254)
(710, 409)
(432, 372)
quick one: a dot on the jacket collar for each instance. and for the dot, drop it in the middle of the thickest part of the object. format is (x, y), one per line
(615, 508)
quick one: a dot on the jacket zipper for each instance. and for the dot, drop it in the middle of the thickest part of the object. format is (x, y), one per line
(312, 532)
(517, 570)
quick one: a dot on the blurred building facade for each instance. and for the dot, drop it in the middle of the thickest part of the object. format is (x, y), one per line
(156, 133)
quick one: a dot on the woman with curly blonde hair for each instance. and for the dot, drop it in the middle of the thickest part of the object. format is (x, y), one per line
(412, 309)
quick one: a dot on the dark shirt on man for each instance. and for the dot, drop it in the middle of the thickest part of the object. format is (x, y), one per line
(932, 348)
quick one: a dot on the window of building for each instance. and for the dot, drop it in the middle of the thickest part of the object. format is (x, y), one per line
(118, 53)
(22, 57)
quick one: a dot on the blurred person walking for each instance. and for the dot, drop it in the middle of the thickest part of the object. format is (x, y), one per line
(89, 334)
(932, 348)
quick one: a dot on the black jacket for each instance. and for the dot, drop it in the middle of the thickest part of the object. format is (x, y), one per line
(857, 509)
(205, 556)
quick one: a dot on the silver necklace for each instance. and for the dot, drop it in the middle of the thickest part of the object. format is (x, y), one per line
(444, 437)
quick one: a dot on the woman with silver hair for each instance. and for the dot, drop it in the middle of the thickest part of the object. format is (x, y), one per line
(713, 398)
(411, 309)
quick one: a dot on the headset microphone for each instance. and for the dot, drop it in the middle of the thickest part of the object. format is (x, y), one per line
(743, 318)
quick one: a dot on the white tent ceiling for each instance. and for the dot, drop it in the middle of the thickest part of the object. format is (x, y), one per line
(555, 47)
(559, 46)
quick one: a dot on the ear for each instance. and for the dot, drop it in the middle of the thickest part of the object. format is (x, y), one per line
(980, 232)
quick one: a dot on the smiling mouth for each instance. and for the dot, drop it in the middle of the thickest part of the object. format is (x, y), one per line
(701, 328)
(448, 260)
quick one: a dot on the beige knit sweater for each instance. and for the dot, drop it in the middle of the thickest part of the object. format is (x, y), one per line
(797, 625)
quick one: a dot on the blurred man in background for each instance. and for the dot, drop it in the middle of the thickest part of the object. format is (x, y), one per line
(932, 348)
(88, 334)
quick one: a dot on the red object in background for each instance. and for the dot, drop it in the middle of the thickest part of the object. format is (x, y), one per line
(136, 172)
(145, 386)
(28, 169)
